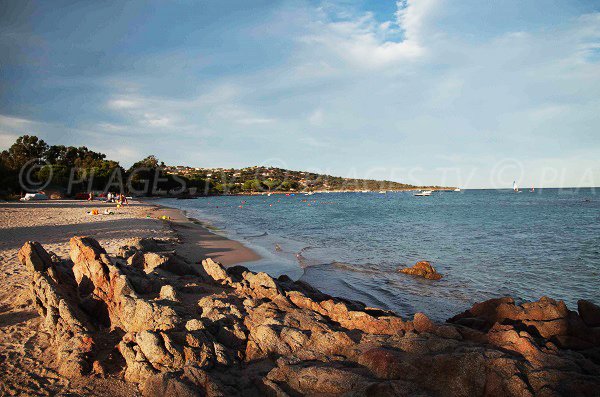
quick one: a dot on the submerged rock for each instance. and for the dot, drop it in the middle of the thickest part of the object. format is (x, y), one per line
(422, 269)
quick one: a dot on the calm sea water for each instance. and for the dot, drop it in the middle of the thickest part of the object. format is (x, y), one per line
(486, 243)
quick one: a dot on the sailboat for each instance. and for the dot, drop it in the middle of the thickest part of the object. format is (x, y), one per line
(515, 187)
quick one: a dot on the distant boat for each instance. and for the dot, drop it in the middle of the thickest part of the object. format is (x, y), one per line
(424, 193)
(532, 190)
(457, 189)
(309, 193)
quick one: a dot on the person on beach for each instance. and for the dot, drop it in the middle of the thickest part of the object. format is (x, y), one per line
(122, 200)
(91, 196)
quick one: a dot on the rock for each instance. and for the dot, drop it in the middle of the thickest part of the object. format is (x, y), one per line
(168, 292)
(113, 297)
(136, 259)
(385, 363)
(319, 379)
(148, 262)
(214, 269)
(167, 384)
(507, 337)
(194, 325)
(422, 269)
(422, 323)
(372, 321)
(68, 327)
(589, 312)
(98, 368)
(144, 244)
(257, 285)
(34, 257)
(251, 334)
(546, 318)
(153, 261)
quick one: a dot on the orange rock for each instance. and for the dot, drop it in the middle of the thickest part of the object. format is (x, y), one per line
(422, 269)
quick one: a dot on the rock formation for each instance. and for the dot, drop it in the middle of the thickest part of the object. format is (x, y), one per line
(203, 330)
(422, 269)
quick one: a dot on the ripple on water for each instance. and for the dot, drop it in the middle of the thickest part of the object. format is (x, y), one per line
(485, 243)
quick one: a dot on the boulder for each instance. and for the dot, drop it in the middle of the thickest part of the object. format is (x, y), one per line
(589, 312)
(167, 292)
(547, 319)
(214, 269)
(422, 269)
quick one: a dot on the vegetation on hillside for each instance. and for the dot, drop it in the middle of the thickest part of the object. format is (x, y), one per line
(30, 164)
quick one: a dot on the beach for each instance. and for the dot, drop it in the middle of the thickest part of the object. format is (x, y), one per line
(53, 223)
(138, 308)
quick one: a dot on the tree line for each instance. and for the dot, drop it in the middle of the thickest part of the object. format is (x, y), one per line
(30, 164)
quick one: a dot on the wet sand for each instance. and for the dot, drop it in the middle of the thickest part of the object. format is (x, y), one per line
(197, 242)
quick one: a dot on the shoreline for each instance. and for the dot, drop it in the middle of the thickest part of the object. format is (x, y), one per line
(210, 330)
(199, 242)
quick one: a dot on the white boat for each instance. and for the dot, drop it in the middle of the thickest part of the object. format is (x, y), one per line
(457, 189)
(425, 193)
(309, 193)
(515, 187)
(382, 192)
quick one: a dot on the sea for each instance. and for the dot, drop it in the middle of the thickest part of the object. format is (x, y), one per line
(485, 243)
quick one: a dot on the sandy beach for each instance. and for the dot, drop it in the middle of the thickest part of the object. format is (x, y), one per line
(23, 365)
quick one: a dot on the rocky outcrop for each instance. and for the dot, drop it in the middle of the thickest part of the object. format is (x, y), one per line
(422, 269)
(546, 319)
(66, 324)
(222, 332)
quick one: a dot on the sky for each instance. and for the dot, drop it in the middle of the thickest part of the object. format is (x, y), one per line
(463, 93)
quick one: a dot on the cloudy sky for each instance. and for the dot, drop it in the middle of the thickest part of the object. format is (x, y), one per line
(469, 93)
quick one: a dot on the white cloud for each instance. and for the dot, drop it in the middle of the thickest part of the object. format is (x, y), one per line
(153, 120)
(364, 42)
(419, 88)
(14, 122)
(123, 104)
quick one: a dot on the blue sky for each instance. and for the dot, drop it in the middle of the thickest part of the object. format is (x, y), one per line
(468, 93)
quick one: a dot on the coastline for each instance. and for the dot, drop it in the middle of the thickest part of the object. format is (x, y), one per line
(213, 330)
(197, 242)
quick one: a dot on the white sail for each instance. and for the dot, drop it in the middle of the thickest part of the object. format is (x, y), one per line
(515, 188)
